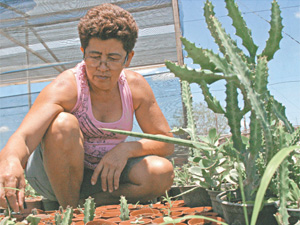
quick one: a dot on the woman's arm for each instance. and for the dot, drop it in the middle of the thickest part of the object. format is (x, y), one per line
(57, 97)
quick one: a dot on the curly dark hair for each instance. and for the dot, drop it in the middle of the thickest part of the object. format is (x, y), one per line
(108, 21)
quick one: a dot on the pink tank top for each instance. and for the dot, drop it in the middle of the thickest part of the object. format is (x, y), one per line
(96, 141)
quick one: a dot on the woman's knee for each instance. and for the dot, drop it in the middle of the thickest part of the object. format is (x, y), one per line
(162, 169)
(160, 174)
(63, 126)
(63, 139)
(64, 131)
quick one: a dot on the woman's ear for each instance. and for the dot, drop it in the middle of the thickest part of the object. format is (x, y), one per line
(130, 56)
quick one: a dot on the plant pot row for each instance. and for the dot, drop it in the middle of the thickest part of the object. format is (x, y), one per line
(146, 214)
(233, 212)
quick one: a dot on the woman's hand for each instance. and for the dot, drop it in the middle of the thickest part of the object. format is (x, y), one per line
(110, 167)
(12, 183)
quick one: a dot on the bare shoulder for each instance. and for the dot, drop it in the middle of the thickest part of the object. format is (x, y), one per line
(140, 88)
(62, 90)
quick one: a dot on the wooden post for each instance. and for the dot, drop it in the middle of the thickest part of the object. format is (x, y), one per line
(177, 32)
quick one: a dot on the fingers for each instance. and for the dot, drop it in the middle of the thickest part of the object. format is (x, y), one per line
(96, 173)
(110, 179)
(110, 174)
(11, 194)
(117, 179)
(104, 178)
(2, 196)
(21, 194)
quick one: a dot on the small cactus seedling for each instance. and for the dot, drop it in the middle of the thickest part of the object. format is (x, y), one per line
(57, 219)
(67, 216)
(89, 210)
(124, 209)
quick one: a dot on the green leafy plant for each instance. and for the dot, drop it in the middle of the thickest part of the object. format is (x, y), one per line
(183, 177)
(167, 199)
(33, 219)
(213, 168)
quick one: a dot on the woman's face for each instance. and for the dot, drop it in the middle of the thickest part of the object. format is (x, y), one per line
(105, 60)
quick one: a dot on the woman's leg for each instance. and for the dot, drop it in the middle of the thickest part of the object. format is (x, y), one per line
(149, 178)
(63, 158)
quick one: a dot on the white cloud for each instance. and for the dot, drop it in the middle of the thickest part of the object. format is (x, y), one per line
(4, 129)
(297, 14)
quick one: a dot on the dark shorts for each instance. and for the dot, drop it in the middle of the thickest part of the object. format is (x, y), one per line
(37, 177)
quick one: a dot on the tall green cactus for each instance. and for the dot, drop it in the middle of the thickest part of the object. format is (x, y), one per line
(244, 72)
(188, 102)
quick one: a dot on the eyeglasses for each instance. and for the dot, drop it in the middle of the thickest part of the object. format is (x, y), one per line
(111, 63)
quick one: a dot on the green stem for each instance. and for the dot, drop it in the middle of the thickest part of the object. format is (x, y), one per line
(242, 190)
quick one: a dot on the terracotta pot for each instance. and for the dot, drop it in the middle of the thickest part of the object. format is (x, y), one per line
(133, 220)
(158, 206)
(78, 223)
(197, 210)
(161, 220)
(78, 217)
(135, 207)
(173, 209)
(146, 212)
(234, 214)
(100, 222)
(33, 203)
(110, 213)
(110, 206)
(195, 198)
(198, 221)
(173, 214)
(118, 219)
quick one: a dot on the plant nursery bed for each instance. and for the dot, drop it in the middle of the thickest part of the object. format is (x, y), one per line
(138, 214)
